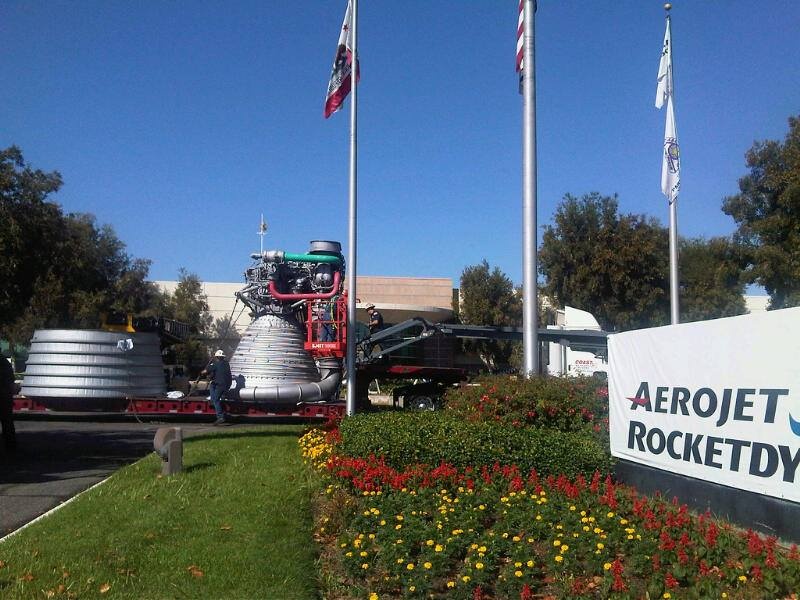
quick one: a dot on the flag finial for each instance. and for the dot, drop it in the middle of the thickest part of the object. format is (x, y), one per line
(667, 6)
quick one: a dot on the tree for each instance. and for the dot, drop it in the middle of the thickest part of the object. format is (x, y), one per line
(29, 229)
(189, 305)
(488, 297)
(767, 212)
(711, 279)
(225, 335)
(614, 266)
(59, 270)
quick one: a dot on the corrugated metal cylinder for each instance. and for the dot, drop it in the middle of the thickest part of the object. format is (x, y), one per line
(271, 353)
(89, 364)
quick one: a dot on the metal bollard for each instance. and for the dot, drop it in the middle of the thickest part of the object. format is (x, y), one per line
(168, 444)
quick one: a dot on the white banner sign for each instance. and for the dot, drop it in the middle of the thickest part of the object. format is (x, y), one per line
(716, 400)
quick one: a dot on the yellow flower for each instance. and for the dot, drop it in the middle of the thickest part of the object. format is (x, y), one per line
(606, 566)
(559, 558)
(538, 517)
(365, 566)
(610, 515)
(410, 566)
(667, 595)
(600, 545)
(556, 543)
(517, 573)
(466, 578)
(373, 596)
(742, 578)
(482, 549)
(529, 563)
(479, 565)
(564, 548)
(438, 548)
(518, 564)
(451, 584)
(429, 543)
(573, 507)
(427, 565)
(399, 561)
(363, 553)
(412, 588)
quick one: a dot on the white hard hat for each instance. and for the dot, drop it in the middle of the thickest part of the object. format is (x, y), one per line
(219, 354)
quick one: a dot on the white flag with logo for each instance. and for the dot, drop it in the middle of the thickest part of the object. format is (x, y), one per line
(671, 157)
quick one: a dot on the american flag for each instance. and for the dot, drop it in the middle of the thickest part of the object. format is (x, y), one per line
(520, 35)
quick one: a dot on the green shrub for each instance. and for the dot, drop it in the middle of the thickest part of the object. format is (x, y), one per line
(564, 403)
(434, 437)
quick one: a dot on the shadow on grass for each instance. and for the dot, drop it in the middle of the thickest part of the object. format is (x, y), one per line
(198, 467)
(245, 433)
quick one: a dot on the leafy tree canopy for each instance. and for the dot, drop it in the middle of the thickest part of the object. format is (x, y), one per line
(711, 279)
(60, 270)
(617, 267)
(767, 212)
(611, 265)
(488, 297)
(189, 304)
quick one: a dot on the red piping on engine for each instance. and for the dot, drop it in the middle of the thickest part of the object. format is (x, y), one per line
(278, 296)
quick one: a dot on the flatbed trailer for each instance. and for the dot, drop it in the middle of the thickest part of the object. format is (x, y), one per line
(373, 363)
(188, 407)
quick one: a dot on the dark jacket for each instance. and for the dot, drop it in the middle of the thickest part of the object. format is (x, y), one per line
(6, 380)
(219, 371)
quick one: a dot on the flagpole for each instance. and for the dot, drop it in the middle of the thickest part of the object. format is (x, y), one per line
(530, 301)
(352, 231)
(674, 307)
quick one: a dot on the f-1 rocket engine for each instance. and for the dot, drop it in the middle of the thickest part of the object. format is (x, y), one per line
(292, 351)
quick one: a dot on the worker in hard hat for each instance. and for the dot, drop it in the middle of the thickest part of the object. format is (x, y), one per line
(375, 319)
(219, 371)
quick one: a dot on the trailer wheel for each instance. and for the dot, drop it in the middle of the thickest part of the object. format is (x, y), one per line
(423, 402)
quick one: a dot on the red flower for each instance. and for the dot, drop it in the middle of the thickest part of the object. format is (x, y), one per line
(616, 570)
(756, 574)
(711, 535)
(526, 593)
(670, 581)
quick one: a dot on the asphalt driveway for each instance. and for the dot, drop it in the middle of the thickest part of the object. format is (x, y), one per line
(57, 459)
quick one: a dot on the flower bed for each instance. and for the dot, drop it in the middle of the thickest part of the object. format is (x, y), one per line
(565, 404)
(497, 532)
(403, 439)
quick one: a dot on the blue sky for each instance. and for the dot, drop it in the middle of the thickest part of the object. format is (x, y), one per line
(179, 123)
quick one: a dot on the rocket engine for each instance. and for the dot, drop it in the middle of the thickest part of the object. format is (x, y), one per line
(292, 351)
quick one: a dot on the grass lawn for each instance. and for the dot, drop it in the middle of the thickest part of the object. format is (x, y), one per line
(235, 524)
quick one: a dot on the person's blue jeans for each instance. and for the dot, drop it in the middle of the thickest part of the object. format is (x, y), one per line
(216, 399)
(326, 333)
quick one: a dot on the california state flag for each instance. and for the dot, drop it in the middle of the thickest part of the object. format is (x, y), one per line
(341, 73)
